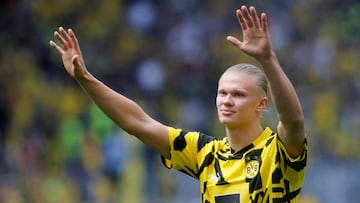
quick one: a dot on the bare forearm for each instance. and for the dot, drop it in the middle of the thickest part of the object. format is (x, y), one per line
(127, 114)
(123, 111)
(282, 92)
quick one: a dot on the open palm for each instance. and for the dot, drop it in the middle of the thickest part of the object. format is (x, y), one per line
(70, 52)
(256, 39)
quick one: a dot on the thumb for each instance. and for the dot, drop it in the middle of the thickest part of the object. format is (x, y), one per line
(234, 41)
(79, 66)
(75, 61)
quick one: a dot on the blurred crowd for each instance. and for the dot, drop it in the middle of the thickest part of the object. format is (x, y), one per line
(57, 146)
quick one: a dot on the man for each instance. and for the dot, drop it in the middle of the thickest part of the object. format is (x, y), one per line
(250, 164)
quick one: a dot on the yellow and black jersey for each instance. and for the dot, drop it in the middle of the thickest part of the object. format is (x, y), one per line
(261, 172)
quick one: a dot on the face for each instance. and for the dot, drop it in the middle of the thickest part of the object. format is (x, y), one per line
(240, 99)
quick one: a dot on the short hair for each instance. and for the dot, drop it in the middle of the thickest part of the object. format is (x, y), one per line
(251, 70)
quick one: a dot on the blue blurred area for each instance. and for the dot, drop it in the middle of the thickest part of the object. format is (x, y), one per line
(56, 146)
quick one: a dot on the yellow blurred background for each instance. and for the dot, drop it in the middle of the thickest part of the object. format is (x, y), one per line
(57, 146)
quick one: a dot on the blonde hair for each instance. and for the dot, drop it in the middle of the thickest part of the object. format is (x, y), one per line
(250, 70)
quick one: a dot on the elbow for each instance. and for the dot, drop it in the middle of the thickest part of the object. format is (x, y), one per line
(131, 128)
(134, 126)
(294, 123)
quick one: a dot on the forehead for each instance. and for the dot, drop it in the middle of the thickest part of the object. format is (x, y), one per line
(237, 80)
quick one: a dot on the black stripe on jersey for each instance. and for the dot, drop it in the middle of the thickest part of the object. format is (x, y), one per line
(202, 194)
(288, 195)
(207, 161)
(268, 142)
(254, 183)
(219, 174)
(261, 196)
(278, 189)
(180, 142)
(205, 187)
(298, 165)
(189, 172)
(203, 140)
(224, 151)
(221, 156)
(278, 157)
(277, 176)
(254, 155)
(237, 155)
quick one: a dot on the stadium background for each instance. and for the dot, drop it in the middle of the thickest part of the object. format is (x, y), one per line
(56, 146)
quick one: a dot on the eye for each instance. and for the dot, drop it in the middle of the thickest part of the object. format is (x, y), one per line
(222, 93)
(238, 94)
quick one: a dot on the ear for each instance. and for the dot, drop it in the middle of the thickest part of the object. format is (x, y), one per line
(263, 103)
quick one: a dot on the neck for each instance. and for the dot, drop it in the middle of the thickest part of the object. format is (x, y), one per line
(240, 137)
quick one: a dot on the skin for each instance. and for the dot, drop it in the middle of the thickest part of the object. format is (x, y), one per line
(256, 43)
(232, 107)
(240, 102)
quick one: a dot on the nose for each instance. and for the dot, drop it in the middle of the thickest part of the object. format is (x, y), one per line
(228, 100)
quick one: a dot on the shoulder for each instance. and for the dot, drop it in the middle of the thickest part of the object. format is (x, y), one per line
(181, 138)
(274, 145)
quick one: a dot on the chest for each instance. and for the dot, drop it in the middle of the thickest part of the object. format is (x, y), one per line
(230, 175)
(234, 168)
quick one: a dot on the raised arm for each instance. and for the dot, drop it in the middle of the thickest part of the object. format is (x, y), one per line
(256, 43)
(123, 111)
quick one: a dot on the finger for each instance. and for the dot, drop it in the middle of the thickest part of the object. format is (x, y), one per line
(254, 17)
(73, 38)
(264, 22)
(241, 19)
(56, 47)
(247, 17)
(61, 40)
(66, 36)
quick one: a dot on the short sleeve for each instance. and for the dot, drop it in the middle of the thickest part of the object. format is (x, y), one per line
(294, 168)
(183, 151)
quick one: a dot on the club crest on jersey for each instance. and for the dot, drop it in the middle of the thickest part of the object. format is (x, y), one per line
(252, 169)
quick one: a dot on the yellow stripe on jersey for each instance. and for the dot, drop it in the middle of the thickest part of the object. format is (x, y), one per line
(261, 172)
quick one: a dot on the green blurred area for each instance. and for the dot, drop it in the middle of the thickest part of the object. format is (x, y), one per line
(57, 146)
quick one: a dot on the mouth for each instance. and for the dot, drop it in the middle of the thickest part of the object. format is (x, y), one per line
(227, 112)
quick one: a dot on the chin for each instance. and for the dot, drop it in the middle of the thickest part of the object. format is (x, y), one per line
(225, 121)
